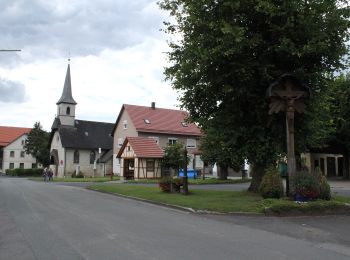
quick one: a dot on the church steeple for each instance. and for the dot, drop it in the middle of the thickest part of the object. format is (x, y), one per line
(66, 104)
(67, 90)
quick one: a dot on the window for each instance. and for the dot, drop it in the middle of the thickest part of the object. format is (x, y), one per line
(76, 156)
(191, 143)
(92, 157)
(147, 121)
(184, 124)
(58, 138)
(21, 165)
(68, 111)
(120, 142)
(172, 141)
(12, 154)
(23, 142)
(150, 165)
(12, 165)
(22, 154)
(156, 138)
(125, 124)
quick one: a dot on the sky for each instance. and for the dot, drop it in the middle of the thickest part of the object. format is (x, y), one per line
(117, 56)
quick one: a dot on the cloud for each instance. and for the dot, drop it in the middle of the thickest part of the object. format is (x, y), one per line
(56, 28)
(11, 91)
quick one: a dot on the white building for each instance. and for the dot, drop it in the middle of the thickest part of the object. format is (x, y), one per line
(12, 153)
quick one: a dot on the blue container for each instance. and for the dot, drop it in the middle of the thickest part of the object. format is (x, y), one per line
(191, 174)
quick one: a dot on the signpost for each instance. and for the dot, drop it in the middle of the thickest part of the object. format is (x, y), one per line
(288, 95)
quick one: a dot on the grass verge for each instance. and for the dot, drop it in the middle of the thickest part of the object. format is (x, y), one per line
(229, 201)
(69, 179)
(195, 181)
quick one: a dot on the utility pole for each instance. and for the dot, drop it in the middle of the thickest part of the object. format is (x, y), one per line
(10, 50)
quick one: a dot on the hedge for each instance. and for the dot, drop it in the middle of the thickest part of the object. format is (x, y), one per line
(24, 172)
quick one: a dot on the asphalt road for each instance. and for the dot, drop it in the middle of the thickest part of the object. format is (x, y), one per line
(48, 221)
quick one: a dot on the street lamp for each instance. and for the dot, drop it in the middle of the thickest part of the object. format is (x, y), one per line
(288, 95)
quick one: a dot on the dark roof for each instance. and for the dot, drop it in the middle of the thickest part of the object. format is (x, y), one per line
(67, 90)
(86, 135)
(106, 156)
(143, 147)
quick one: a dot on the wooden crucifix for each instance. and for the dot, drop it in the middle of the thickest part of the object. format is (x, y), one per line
(288, 95)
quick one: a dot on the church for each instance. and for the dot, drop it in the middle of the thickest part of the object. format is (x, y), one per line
(79, 146)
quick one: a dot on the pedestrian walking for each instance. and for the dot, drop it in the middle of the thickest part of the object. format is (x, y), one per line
(45, 174)
(50, 174)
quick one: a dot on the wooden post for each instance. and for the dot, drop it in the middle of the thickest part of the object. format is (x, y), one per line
(291, 166)
(185, 179)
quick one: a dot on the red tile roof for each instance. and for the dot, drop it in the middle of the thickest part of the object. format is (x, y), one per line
(143, 147)
(8, 134)
(161, 120)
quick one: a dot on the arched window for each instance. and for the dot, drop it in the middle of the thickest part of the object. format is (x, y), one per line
(76, 156)
(68, 111)
(92, 157)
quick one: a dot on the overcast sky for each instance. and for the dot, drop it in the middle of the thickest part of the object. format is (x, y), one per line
(116, 50)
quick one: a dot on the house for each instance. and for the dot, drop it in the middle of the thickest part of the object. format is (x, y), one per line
(141, 158)
(78, 146)
(164, 126)
(12, 153)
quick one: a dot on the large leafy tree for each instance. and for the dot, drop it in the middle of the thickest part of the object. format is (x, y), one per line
(174, 157)
(228, 52)
(37, 144)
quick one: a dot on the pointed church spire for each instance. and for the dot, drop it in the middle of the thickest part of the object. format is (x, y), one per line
(67, 90)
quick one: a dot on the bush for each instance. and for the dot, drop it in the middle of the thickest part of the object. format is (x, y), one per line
(18, 172)
(165, 184)
(325, 189)
(305, 184)
(271, 185)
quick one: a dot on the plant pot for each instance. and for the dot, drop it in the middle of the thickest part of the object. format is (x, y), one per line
(301, 198)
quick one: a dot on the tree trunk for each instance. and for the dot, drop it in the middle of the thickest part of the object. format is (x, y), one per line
(346, 165)
(222, 172)
(257, 172)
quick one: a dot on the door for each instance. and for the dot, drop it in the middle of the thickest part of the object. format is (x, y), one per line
(129, 169)
(331, 167)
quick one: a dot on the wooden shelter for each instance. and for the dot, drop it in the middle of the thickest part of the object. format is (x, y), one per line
(140, 158)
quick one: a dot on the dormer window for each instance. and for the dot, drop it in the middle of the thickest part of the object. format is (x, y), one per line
(184, 124)
(147, 121)
(68, 111)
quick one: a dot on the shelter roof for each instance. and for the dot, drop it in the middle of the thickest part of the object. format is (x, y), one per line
(143, 147)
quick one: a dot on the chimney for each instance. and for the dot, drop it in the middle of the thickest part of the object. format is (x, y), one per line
(153, 105)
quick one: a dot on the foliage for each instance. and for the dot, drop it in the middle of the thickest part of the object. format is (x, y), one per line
(168, 184)
(325, 189)
(226, 201)
(79, 175)
(37, 144)
(227, 53)
(24, 172)
(305, 184)
(174, 156)
(271, 185)
(165, 184)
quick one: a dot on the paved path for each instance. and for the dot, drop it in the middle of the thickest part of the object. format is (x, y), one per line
(48, 221)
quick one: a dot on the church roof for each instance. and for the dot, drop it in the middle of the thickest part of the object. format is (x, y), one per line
(67, 90)
(8, 134)
(85, 135)
(143, 147)
(159, 120)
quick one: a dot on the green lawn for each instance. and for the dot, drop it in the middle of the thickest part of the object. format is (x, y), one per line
(195, 181)
(225, 201)
(69, 179)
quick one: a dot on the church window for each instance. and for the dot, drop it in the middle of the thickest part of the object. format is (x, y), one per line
(92, 157)
(76, 156)
(68, 111)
